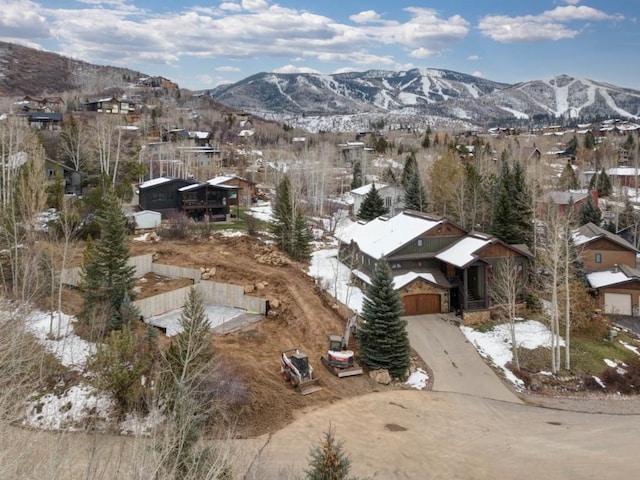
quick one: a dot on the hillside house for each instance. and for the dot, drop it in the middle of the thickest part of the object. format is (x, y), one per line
(617, 290)
(563, 200)
(393, 197)
(206, 201)
(245, 192)
(351, 152)
(437, 266)
(162, 195)
(110, 105)
(600, 249)
(71, 179)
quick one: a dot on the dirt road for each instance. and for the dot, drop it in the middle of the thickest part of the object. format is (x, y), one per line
(429, 435)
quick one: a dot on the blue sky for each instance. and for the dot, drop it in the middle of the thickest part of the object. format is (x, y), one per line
(203, 43)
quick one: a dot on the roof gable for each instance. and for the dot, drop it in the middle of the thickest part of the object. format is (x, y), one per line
(590, 232)
(463, 252)
(380, 237)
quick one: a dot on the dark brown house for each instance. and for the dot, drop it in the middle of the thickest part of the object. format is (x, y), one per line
(438, 267)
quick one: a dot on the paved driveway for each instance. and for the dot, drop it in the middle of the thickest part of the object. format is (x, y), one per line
(457, 366)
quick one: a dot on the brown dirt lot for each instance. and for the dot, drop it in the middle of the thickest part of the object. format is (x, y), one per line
(303, 319)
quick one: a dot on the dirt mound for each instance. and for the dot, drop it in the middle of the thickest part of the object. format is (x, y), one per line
(300, 317)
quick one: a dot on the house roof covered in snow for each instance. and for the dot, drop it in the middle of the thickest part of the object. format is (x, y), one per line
(435, 277)
(590, 232)
(615, 276)
(383, 236)
(463, 252)
(155, 181)
(363, 190)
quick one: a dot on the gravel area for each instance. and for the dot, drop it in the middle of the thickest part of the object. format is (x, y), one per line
(588, 403)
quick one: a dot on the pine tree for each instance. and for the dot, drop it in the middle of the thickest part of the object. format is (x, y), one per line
(283, 219)
(601, 182)
(589, 212)
(414, 194)
(301, 247)
(410, 167)
(192, 347)
(589, 141)
(107, 279)
(372, 205)
(568, 179)
(512, 214)
(328, 460)
(426, 141)
(289, 226)
(382, 336)
(572, 146)
(356, 181)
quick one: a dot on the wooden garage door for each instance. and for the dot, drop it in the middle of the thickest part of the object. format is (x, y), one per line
(421, 304)
(617, 303)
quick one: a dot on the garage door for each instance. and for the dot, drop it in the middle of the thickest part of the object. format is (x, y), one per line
(421, 304)
(618, 303)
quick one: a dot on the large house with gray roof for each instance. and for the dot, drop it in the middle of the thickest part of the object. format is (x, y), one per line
(437, 266)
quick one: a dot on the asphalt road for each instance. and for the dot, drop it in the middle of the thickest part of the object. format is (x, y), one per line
(456, 364)
(630, 323)
(436, 435)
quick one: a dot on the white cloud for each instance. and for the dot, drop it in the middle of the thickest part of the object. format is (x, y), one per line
(230, 7)
(473, 57)
(21, 19)
(549, 25)
(119, 33)
(227, 68)
(368, 16)
(477, 74)
(572, 2)
(344, 70)
(294, 69)
(254, 5)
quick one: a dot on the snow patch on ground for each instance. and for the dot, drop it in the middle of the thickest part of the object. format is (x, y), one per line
(418, 379)
(628, 346)
(495, 344)
(69, 411)
(610, 363)
(54, 330)
(335, 278)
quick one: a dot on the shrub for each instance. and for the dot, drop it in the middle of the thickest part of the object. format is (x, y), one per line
(177, 227)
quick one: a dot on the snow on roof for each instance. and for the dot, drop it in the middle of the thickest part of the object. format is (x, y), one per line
(623, 171)
(155, 181)
(403, 280)
(462, 252)
(200, 135)
(606, 278)
(246, 133)
(363, 190)
(381, 236)
(221, 179)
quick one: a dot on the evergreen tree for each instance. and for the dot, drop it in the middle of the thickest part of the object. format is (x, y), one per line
(589, 212)
(382, 337)
(372, 205)
(283, 219)
(414, 194)
(572, 146)
(107, 279)
(426, 141)
(410, 167)
(629, 144)
(328, 460)
(289, 226)
(192, 348)
(301, 246)
(356, 181)
(512, 215)
(589, 141)
(601, 182)
(568, 179)
(628, 215)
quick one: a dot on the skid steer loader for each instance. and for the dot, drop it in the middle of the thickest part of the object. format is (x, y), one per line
(296, 370)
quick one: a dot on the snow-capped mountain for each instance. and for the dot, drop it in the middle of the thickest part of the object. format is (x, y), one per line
(423, 96)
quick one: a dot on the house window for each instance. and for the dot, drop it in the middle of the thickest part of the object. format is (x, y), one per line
(396, 266)
(387, 201)
(50, 173)
(420, 242)
(598, 258)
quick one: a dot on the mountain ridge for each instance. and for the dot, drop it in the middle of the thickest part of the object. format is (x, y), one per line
(427, 92)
